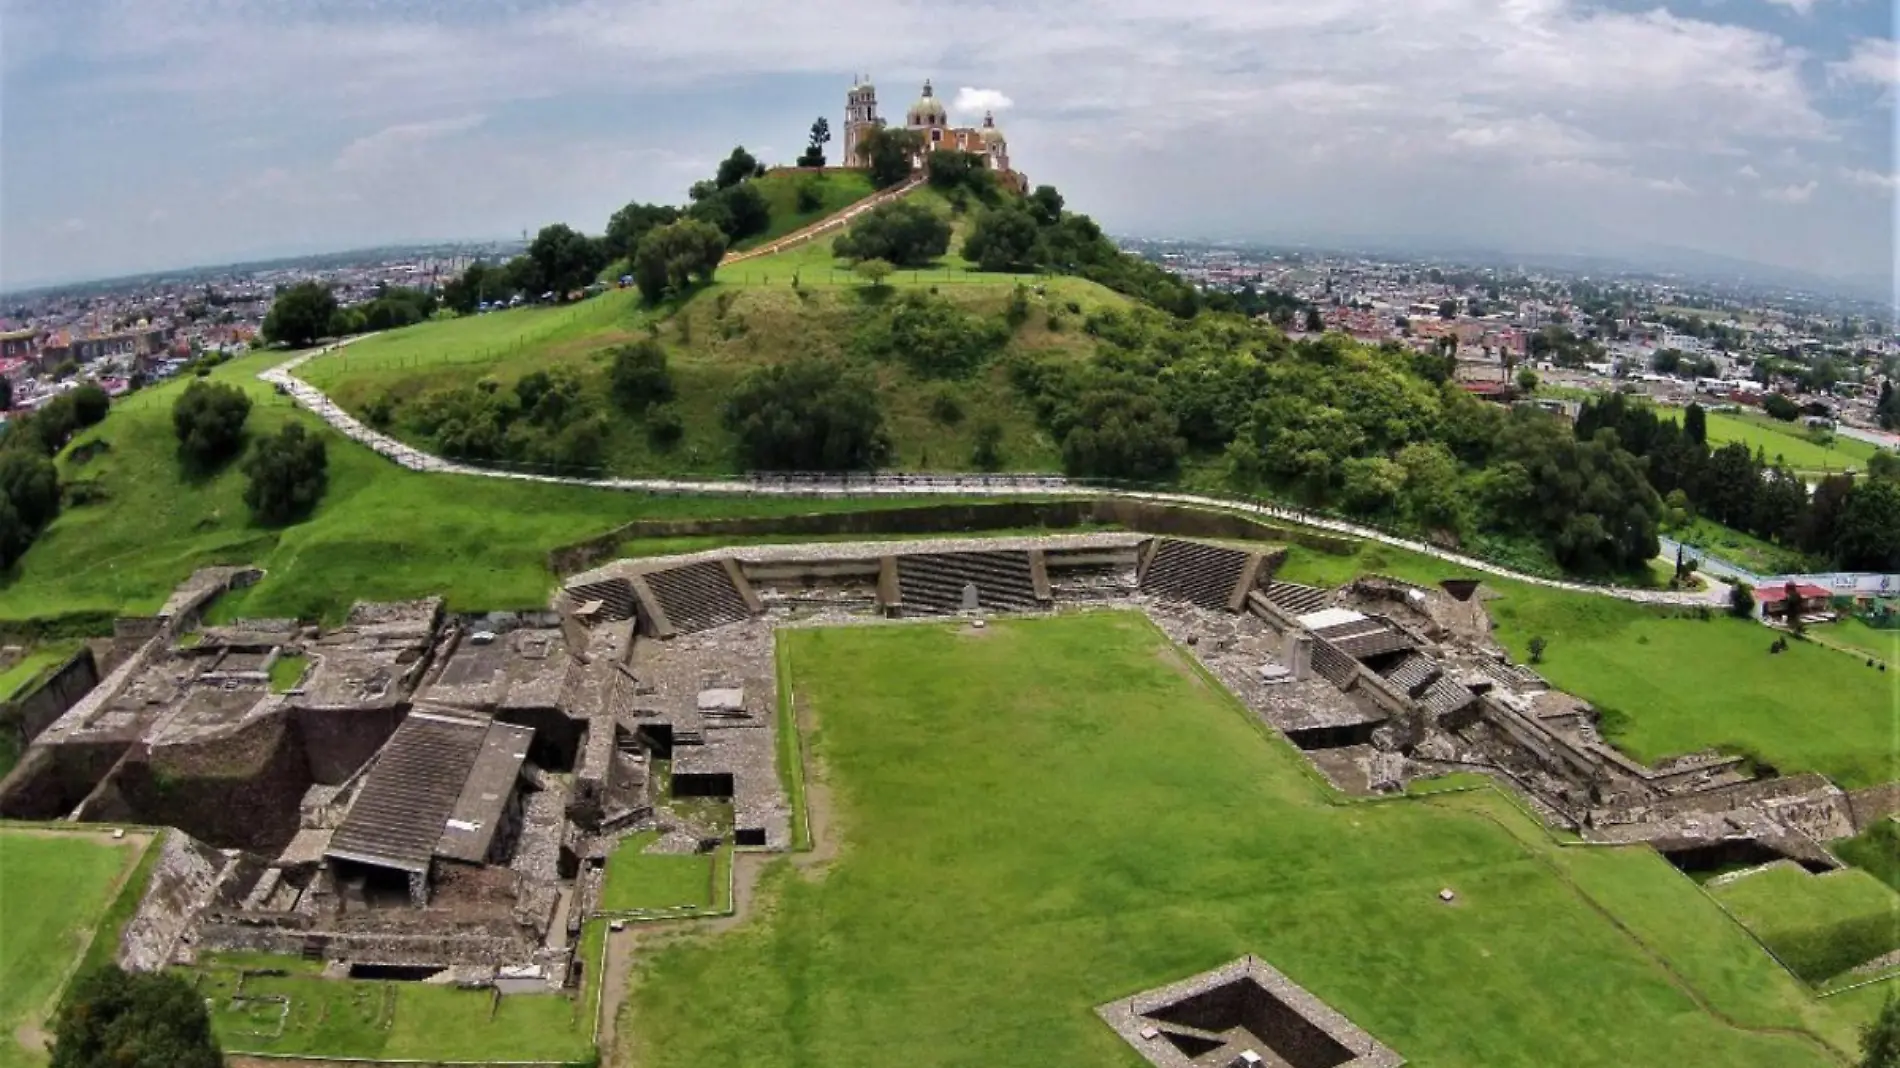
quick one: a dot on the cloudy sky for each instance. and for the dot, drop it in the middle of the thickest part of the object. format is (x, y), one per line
(142, 134)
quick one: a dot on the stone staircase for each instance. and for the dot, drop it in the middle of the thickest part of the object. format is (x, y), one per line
(615, 597)
(1198, 573)
(698, 596)
(932, 583)
(832, 223)
(1298, 600)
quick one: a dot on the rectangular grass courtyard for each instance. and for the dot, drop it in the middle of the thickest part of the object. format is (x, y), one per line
(57, 889)
(1045, 815)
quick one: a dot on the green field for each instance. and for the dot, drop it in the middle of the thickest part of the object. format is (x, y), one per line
(1788, 442)
(640, 881)
(836, 189)
(55, 892)
(301, 1013)
(38, 660)
(1819, 925)
(1875, 850)
(381, 531)
(1046, 815)
(1855, 636)
(1740, 549)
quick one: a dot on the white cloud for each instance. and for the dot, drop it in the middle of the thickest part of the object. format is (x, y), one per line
(393, 142)
(971, 101)
(1861, 176)
(1872, 61)
(1792, 194)
(1748, 171)
(1799, 7)
(1409, 106)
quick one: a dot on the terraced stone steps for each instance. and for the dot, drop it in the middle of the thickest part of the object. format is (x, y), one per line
(698, 596)
(1196, 572)
(1298, 600)
(615, 596)
(932, 583)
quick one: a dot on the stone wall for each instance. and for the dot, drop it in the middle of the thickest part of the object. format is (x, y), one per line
(339, 741)
(1873, 804)
(238, 791)
(59, 691)
(1147, 516)
(51, 780)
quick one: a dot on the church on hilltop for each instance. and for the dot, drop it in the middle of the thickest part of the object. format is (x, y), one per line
(931, 121)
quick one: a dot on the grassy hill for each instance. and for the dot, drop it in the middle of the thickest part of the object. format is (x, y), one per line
(834, 190)
(380, 532)
(751, 317)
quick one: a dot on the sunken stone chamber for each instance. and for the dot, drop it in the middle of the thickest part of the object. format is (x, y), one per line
(1243, 1013)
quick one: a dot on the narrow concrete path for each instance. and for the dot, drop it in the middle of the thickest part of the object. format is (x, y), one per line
(284, 376)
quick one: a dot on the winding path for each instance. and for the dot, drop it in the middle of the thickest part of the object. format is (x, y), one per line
(283, 376)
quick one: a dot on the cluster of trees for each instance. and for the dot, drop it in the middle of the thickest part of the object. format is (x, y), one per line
(889, 152)
(29, 482)
(1564, 348)
(1381, 434)
(1853, 523)
(285, 474)
(308, 310)
(1887, 408)
(133, 1020)
(1036, 233)
(903, 233)
(810, 414)
(547, 418)
(934, 337)
(1676, 361)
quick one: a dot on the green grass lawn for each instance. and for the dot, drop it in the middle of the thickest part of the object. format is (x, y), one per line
(386, 1020)
(380, 532)
(287, 672)
(837, 190)
(1049, 814)
(1743, 550)
(1853, 635)
(1819, 925)
(1789, 442)
(55, 891)
(637, 880)
(38, 660)
(1875, 850)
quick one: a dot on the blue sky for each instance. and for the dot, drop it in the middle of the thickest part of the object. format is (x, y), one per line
(142, 134)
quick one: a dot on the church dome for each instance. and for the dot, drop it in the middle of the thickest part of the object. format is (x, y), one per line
(927, 107)
(992, 134)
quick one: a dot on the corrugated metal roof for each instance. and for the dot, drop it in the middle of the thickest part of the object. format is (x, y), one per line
(405, 803)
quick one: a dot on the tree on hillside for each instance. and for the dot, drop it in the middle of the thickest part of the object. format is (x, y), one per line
(208, 419)
(736, 168)
(1003, 239)
(904, 232)
(1046, 205)
(90, 405)
(874, 271)
(673, 257)
(1120, 433)
(1880, 1039)
(288, 473)
(1887, 409)
(815, 148)
(300, 315)
(1695, 424)
(6, 394)
(29, 482)
(563, 259)
(639, 376)
(1780, 407)
(1314, 324)
(739, 211)
(1526, 380)
(1741, 600)
(631, 223)
(480, 282)
(116, 1019)
(1867, 537)
(1448, 309)
(889, 152)
(808, 415)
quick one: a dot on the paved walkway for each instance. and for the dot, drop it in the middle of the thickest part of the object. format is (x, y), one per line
(415, 459)
(835, 221)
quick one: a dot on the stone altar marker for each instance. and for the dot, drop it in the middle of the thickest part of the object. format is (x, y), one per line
(969, 597)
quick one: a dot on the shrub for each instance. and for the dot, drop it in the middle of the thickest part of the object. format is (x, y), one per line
(945, 408)
(288, 474)
(988, 453)
(208, 419)
(639, 377)
(664, 427)
(932, 335)
(133, 1020)
(90, 405)
(808, 415)
(903, 232)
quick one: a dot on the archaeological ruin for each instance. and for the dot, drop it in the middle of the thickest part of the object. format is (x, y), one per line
(438, 794)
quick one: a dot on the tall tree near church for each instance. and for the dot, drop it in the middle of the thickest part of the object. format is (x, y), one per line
(815, 149)
(889, 153)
